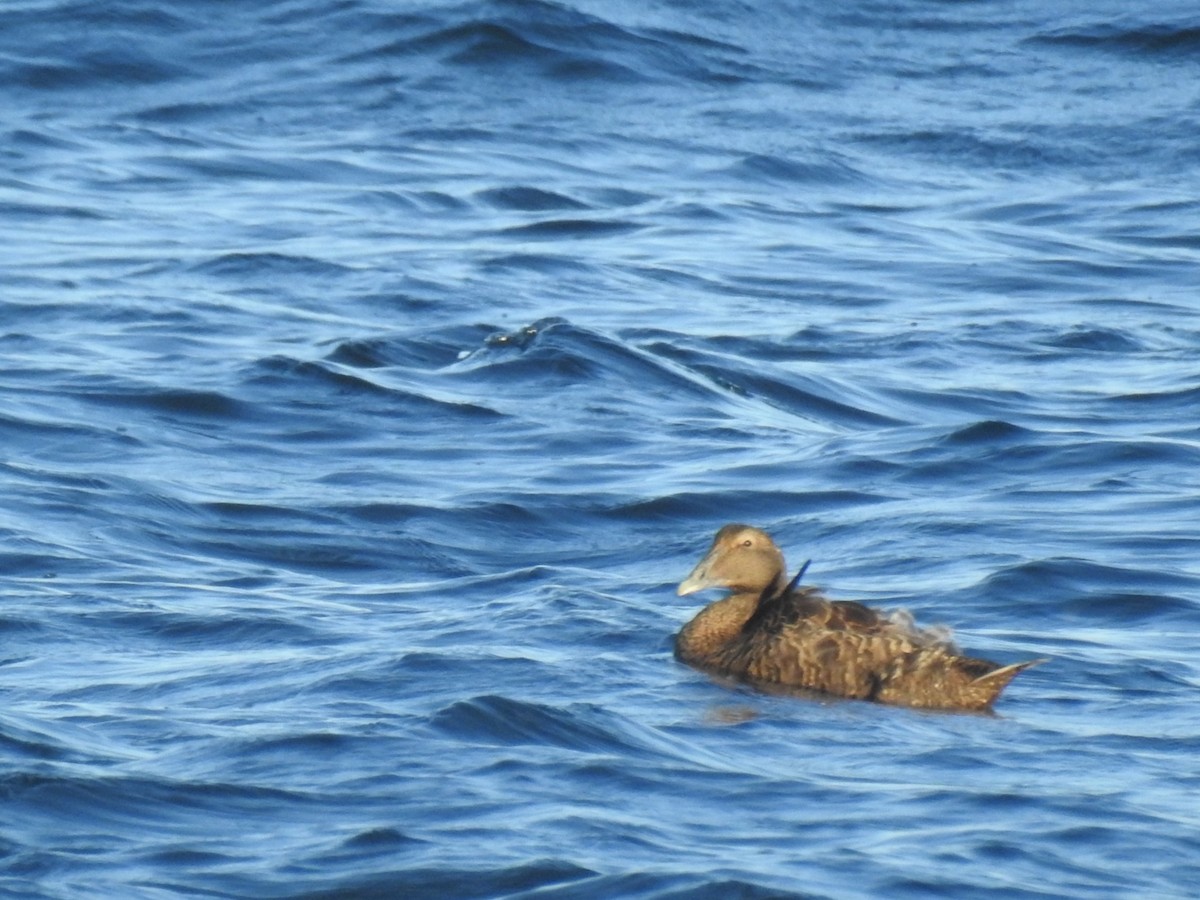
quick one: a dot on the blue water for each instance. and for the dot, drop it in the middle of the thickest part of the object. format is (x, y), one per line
(370, 373)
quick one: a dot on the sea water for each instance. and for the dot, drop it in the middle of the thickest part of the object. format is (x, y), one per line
(371, 372)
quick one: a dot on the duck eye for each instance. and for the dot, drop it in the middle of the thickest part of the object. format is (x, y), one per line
(747, 543)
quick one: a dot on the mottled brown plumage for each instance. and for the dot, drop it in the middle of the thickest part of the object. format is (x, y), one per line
(772, 632)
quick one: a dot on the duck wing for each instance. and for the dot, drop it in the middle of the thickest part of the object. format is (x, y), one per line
(801, 639)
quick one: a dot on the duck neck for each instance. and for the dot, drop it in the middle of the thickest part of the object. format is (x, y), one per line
(777, 586)
(715, 626)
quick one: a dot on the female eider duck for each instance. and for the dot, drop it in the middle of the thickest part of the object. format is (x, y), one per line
(771, 631)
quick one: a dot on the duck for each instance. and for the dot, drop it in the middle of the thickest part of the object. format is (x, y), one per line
(773, 632)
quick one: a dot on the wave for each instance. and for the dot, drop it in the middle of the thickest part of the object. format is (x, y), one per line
(543, 876)
(558, 229)
(665, 370)
(1087, 590)
(528, 199)
(558, 42)
(1146, 40)
(283, 374)
(555, 347)
(243, 266)
(501, 720)
(772, 169)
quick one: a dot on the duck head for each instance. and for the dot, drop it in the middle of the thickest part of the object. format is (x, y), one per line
(741, 558)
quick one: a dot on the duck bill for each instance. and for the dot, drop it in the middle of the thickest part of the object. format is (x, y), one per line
(698, 580)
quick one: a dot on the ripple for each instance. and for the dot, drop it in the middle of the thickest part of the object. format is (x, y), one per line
(1141, 40)
(1100, 340)
(571, 229)
(528, 199)
(988, 433)
(268, 265)
(501, 720)
(371, 373)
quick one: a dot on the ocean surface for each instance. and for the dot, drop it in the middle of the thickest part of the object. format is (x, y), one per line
(371, 373)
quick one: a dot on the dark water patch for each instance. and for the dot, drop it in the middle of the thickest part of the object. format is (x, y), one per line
(542, 877)
(519, 46)
(388, 203)
(382, 513)
(494, 719)
(375, 838)
(31, 139)
(749, 504)
(555, 347)
(1025, 212)
(112, 66)
(695, 213)
(291, 549)
(1144, 41)
(809, 343)
(571, 229)
(221, 627)
(367, 353)
(240, 266)
(24, 744)
(1075, 458)
(362, 850)
(232, 165)
(47, 565)
(770, 169)
(1184, 398)
(735, 504)
(987, 433)
(1093, 590)
(270, 752)
(566, 45)
(187, 113)
(617, 197)
(450, 134)
(120, 802)
(1098, 340)
(292, 377)
(370, 682)
(1157, 240)
(190, 858)
(18, 626)
(805, 396)
(977, 149)
(1131, 607)
(528, 199)
(33, 212)
(541, 263)
(173, 403)
(1113, 454)
(971, 402)
(73, 21)
(544, 365)
(429, 350)
(19, 430)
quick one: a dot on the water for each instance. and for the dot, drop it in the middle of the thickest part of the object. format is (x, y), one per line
(373, 371)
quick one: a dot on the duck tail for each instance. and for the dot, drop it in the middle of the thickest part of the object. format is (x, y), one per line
(995, 681)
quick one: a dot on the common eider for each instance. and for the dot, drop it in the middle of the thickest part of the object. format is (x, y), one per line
(774, 632)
